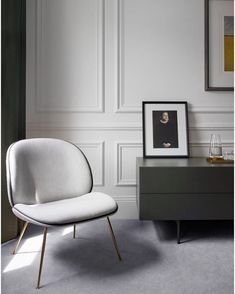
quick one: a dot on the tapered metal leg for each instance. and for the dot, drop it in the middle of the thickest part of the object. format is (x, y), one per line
(20, 237)
(74, 231)
(178, 231)
(114, 239)
(42, 256)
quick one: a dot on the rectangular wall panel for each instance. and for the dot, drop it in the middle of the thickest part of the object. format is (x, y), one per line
(94, 153)
(126, 162)
(69, 57)
(160, 55)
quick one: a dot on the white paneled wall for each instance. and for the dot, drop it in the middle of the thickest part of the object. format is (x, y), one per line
(90, 63)
(94, 152)
(70, 38)
(126, 161)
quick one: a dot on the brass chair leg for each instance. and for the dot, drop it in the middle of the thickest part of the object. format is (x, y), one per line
(42, 256)
(74, 231)
(114, 239)
(20, 237)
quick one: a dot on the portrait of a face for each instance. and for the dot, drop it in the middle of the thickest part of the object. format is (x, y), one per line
(165, 129)
(164, 117)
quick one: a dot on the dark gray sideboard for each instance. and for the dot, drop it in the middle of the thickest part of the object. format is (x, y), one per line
(184, 189)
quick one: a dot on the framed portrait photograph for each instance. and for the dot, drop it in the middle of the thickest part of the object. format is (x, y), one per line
(165, 129)
(219, 45)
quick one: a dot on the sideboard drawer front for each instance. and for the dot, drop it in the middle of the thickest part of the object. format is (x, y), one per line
(186, 180)
(186, 206)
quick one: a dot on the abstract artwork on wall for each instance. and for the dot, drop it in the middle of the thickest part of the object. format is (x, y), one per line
(228, 43)
(219, 45)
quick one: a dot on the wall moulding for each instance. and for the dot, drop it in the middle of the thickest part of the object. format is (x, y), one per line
(121, 105)
(39, 127)
(98, 164)
(207, 144)
(98, 103)
(128, 198)
(122, 108)
(130, 128)
(121, 180)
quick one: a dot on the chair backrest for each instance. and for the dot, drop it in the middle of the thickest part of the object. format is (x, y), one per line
(43, 170)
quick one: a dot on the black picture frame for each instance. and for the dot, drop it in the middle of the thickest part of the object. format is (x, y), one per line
(208, 86)
(175, 127)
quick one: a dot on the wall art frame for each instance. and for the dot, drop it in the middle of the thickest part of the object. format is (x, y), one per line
(165, 129)
(216, 77)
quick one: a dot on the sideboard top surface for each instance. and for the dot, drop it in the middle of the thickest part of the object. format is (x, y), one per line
(178, 162)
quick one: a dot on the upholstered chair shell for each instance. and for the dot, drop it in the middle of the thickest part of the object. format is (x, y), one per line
(50, 185)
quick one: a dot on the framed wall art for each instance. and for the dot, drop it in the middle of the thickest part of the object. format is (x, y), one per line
(165, 129)
(219, 45)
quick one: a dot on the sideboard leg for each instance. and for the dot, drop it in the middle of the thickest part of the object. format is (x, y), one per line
(178, 231)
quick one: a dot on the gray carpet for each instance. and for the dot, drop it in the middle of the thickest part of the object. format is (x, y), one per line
(152, 261)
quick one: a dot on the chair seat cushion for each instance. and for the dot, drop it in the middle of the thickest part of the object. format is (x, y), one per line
(72, 210)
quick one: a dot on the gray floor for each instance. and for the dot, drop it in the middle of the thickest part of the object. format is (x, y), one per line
(152, 261)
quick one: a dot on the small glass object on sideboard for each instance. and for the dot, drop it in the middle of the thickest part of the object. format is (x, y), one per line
(215, 150)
